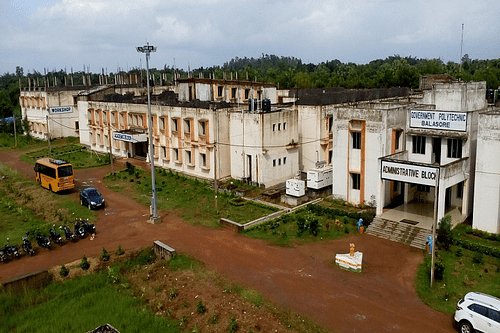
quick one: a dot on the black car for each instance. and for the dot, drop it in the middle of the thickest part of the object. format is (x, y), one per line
(91, 198)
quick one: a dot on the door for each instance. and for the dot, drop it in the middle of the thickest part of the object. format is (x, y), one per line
(249, 170)
(436, 150)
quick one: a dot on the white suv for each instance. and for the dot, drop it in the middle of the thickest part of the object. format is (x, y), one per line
(478, 312)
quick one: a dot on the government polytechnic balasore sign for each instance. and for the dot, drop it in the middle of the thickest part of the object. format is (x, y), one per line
(409, 173)
(440, 120)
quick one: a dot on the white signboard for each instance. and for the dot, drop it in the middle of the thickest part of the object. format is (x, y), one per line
(60, 109)
(440, 120)
(409, 173)
(129, 137)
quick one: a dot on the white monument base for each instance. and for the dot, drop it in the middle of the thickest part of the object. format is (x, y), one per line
(351, 263)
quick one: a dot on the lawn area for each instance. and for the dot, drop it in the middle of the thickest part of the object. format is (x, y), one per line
(74, 153)
(464, 270)
(79, 305)
(309, 224)
(25, 206)
(192, 199)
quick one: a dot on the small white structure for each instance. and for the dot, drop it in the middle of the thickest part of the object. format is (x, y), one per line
(320, 178)
(351, 261)
(295, 187)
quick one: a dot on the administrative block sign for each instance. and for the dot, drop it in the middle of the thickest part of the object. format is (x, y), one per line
(60, 109)
(409, 173)
(439, 120)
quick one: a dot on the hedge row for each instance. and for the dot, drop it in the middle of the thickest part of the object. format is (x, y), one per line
(476, 247)
(332, 213)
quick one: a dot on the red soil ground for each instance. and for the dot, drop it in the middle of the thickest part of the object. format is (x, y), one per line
(302, 279)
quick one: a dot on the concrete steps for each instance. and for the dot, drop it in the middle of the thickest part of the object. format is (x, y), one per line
(398, 232)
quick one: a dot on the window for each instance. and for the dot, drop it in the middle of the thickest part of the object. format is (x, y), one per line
(418, 144)
(162, 123)
(356, 140)
(203, 159)
(284, 160)
(330, 124)
(397, 144)
(284, 126)
(460, 190)
(274, 163)
(482, 310)
(247, 93)
(279, 161)
(454, 148)
(77, 126)
(174, 125)
(188, 157)
(202, 125)
(187, 125)
(356, 181)
(233, 92)
(274, 127)
(176, 154)
(220, 90)
(164, 152)
(279, 127)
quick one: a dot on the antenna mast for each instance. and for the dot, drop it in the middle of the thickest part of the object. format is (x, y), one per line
(461, 48)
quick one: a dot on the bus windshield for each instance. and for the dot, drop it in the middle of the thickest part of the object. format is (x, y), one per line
(65, 171)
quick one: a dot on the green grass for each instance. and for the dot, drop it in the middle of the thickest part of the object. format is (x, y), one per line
(74, 153)
(25, 206)
(7, 140)
(461, 275)
(284, 231)
(79, 305)
(192, 199)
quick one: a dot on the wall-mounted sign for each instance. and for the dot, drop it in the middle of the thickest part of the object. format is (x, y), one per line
(409, 173)
(440, 120)
(134, 138)
(60, 109)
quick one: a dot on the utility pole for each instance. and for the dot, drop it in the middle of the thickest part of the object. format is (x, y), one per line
(48, 131)
(154, 218)
(435, 223)
(110, 145)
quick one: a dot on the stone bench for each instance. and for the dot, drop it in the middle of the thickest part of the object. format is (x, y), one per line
(162, 250)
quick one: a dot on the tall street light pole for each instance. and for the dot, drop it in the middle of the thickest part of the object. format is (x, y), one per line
(153, 218)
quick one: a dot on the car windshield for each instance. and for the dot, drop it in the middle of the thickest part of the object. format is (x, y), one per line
(93, 193)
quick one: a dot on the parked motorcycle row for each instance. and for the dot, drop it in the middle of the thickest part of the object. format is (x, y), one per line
(81, 229)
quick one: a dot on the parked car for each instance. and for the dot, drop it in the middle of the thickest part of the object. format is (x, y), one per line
(91, 198)
(478, 312)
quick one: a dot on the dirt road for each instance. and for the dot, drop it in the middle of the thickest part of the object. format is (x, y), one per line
(302, 279)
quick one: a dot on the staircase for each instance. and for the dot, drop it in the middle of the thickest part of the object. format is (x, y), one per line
(398, 232)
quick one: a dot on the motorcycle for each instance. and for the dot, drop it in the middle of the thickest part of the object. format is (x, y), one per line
(89, 227)
(43, 241)
(70, 236)
(55, 236)
(27, 248)
(12, 251)
(79, 229)
(3, 256)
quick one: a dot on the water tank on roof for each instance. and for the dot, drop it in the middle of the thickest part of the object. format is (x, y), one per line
(266, 105)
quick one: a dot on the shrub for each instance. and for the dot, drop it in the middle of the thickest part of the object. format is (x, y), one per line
(438, 270)
(64, 271)
(119, 250)
(84, 264)
(444, 234)
(233, 325)
(478, 258)
(459, 252)
(105, 255)
(201, 308)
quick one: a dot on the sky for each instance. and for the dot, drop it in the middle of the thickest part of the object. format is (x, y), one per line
(104, 34)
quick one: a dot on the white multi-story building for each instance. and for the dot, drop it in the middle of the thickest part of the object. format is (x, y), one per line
(487, 174)
(439, 157)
